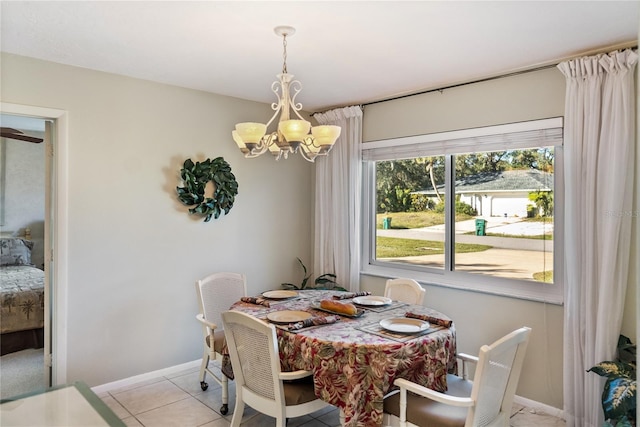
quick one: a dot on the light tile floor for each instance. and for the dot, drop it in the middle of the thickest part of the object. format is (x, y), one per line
(177, 400)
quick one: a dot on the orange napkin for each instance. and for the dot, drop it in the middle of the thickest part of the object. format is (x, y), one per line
(430, 319)
(256, 300)
(348, 295)
(313, 321)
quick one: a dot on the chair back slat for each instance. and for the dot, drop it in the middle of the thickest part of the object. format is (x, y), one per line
(405, 290)
(253, 352)
(253, 348)
(217, 292)
(496, 378)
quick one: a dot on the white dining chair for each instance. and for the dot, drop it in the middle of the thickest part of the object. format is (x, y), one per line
(405, 290)
(253, 347)
(216, 293)
(484, 402)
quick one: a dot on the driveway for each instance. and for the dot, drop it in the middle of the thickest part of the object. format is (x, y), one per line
(508, 263)
(495, 224)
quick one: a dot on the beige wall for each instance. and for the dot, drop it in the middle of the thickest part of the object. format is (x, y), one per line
(530, 96)
(482, 318)
(134, 251)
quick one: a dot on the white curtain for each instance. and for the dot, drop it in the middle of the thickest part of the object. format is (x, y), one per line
(338, 199)
(600, 140)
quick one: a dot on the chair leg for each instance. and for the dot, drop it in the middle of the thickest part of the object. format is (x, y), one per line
(238, 412)
(224, 409)
(403, 407)
(281, 419)
(203, 372)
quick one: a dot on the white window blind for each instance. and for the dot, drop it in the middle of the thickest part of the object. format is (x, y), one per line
(514, 136)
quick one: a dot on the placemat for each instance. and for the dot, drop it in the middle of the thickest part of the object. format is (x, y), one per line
(284, 327)
(376, 329)
(380, 309)
(295, 331)
(273, 301)
(277, 301)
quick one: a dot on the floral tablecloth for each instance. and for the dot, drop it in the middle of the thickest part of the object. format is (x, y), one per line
(353, 367)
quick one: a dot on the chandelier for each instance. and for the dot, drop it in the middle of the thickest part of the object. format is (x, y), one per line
(292, 135)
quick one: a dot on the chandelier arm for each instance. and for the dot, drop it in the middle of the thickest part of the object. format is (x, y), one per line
(250, 155)
(276, 106)
(296, 87)
(306, 155)
(309, 142)
(262, 146)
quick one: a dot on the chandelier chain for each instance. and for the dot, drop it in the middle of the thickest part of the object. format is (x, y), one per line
(284, 54)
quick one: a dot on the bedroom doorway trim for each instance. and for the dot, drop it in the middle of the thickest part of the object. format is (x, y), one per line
(56, 250)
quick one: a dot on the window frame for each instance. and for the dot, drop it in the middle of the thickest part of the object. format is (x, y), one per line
(448, 276)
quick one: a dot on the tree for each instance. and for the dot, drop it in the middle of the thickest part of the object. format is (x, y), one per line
(430, 165)
(541, 159)
(544, 202)
(395, 181)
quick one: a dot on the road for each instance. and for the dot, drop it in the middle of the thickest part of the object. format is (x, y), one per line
(510, 226)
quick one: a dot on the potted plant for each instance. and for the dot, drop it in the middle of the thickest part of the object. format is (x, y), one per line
(619, 395)
(324, 281)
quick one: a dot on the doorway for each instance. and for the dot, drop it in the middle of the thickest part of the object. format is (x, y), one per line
(53, 232)
(24, 189)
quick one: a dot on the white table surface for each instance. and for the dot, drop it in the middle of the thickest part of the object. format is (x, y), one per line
(68, 406)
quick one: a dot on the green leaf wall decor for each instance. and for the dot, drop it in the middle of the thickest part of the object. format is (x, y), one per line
(195, 177)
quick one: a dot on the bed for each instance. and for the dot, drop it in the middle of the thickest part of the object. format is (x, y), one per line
(21, 297)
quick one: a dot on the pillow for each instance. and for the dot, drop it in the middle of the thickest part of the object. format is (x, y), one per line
(15, 251)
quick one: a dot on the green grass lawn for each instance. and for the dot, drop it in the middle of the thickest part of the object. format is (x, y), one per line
(404, 220)
(548, 236)
(391, 247)
(548, 219)
(407, 220)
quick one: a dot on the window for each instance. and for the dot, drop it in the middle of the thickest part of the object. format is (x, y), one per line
(478, 209)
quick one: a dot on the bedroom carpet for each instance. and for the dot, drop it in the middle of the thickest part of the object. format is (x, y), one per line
(21, 372)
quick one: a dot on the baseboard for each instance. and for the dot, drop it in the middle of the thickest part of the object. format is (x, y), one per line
(105, 388)
(538, 406)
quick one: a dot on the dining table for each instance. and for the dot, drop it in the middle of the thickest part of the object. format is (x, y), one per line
(354, 358)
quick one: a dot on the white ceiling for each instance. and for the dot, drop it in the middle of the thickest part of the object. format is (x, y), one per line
(344, 52)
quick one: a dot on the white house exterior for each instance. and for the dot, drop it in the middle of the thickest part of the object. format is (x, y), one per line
(496, 203)
(503, 193)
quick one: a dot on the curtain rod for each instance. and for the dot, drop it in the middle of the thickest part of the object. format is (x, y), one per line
(536, 67)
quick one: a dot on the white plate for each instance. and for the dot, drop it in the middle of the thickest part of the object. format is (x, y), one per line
(279, 294)
(404, 325)
(372, 300)
(288, 316)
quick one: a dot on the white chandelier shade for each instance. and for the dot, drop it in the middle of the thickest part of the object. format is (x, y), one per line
(291, 135)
